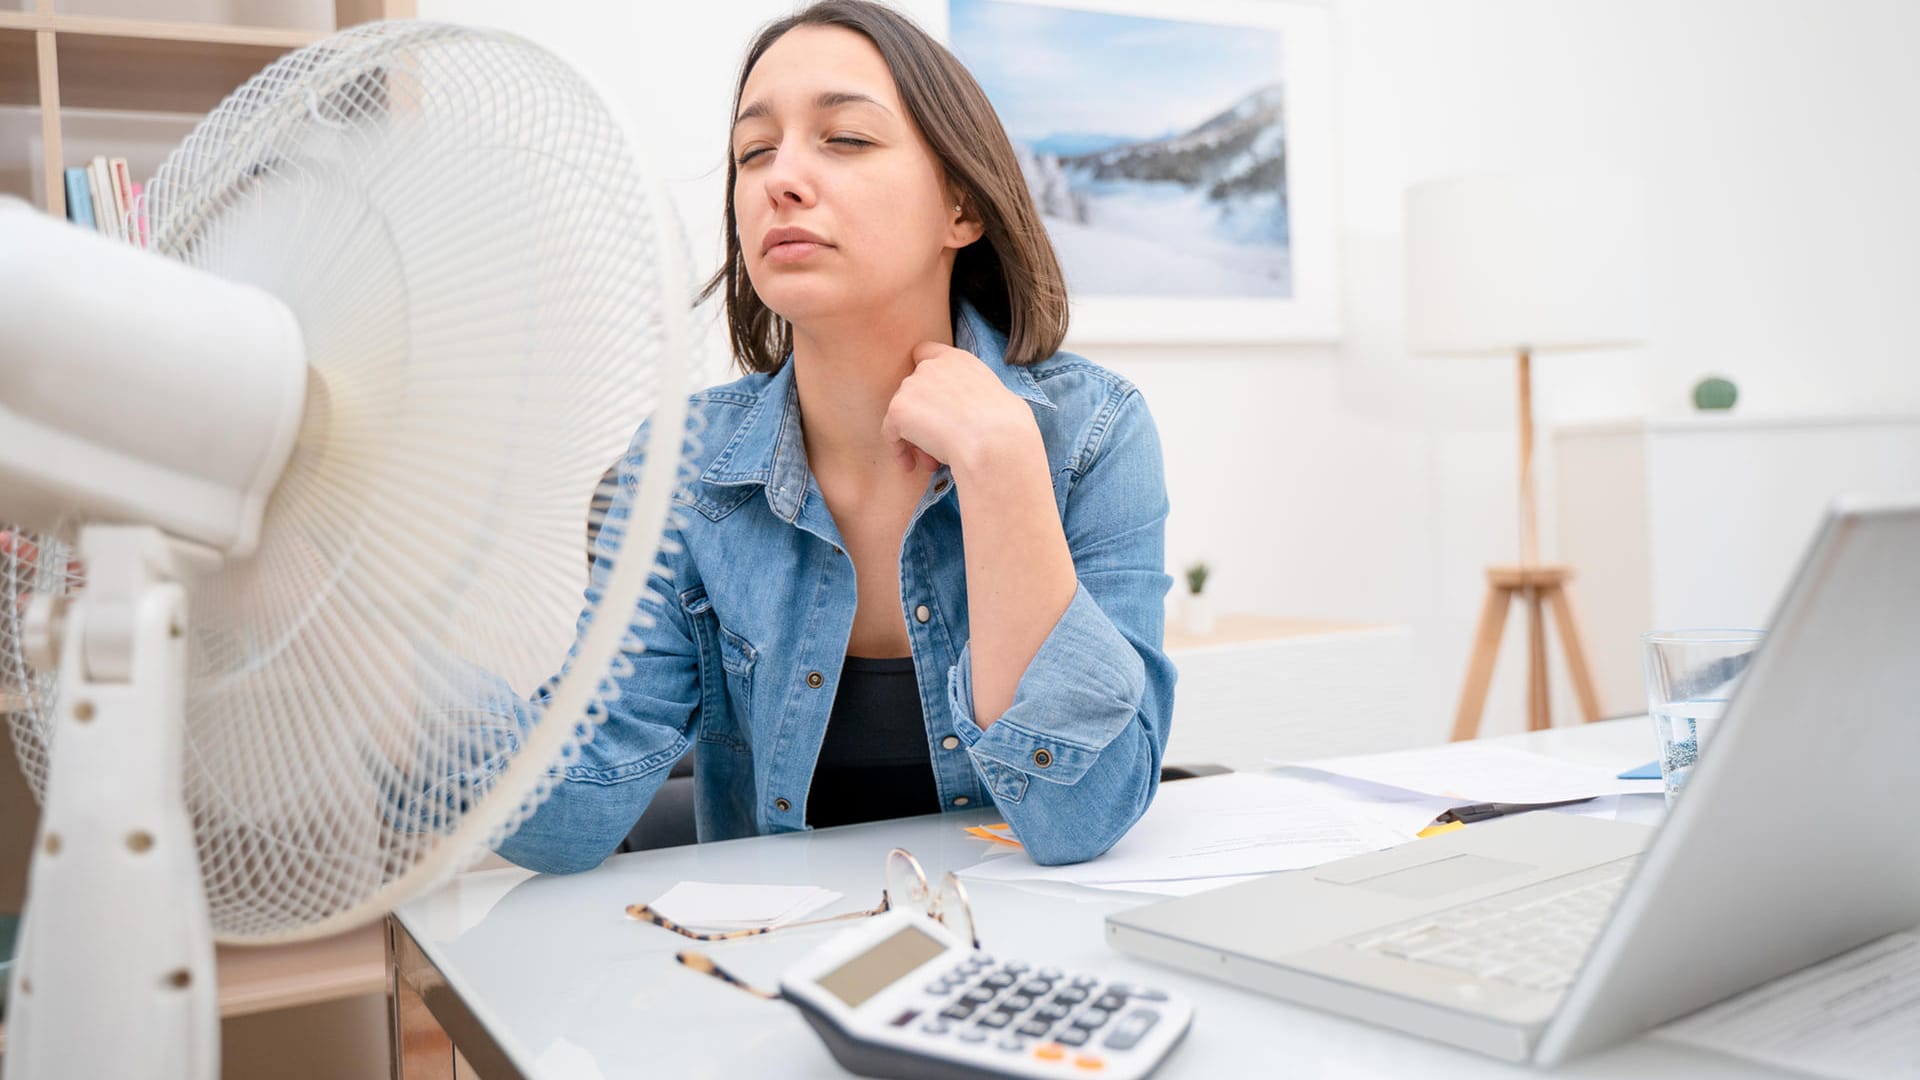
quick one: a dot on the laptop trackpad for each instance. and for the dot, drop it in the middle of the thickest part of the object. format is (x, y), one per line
(1439, 877)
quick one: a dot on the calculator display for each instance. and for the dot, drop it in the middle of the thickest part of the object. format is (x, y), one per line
(876, 969)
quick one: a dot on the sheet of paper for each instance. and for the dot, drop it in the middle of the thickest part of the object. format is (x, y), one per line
(1477, 772)
(1854, 1016)
(1220, 826)
(703, 905)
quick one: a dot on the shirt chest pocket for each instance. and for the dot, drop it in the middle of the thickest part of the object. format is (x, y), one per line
(727, 661)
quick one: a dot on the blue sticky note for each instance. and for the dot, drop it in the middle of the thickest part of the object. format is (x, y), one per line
(1649, 771)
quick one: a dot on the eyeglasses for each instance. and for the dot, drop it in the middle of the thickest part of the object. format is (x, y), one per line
(906, 889)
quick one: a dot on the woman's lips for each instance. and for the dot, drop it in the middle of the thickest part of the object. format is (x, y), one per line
(794, 251)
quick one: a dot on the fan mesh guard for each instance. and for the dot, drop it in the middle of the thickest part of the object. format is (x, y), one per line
(458, 224)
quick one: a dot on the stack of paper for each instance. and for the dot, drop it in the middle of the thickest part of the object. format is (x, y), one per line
(1477, 772)
(709, 907)
(1213, 831)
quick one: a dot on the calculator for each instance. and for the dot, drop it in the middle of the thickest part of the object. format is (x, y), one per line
(901, 996)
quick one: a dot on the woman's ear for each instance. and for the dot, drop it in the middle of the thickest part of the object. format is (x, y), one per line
(966, 226)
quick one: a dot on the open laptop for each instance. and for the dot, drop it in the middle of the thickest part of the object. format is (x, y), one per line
(1543, 936)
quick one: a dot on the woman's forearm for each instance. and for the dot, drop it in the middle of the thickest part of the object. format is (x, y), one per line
(1020, 574)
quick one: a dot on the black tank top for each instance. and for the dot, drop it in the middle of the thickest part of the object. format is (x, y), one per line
(874, 762)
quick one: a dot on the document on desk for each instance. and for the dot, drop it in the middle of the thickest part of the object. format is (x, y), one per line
(1223, 826)
(1477, 772)
(707, 906)
(1855, 1016)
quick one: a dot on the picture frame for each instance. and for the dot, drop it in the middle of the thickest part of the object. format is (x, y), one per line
(1203, 277)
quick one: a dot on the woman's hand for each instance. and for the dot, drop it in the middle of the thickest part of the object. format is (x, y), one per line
(952, 410)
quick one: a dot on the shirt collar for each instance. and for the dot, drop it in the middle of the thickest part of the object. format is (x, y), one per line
(767, 447)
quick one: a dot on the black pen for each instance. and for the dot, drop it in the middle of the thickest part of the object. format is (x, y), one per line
(1482, 811)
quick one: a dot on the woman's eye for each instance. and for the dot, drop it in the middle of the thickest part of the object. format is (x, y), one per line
(750, 155)
(849, 140)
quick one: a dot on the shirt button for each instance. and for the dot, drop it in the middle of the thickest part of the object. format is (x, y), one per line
(923, 613)
(961, 800)
(814, 679)
(1042, 758)
(782, 805)
(940, 488)
(950, 742)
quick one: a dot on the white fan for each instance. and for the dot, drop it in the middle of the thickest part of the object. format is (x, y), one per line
(324, 457)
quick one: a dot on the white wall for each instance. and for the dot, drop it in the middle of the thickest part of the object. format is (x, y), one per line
(1359, 482)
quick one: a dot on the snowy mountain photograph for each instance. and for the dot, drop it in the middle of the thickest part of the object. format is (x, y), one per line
(1156, 149)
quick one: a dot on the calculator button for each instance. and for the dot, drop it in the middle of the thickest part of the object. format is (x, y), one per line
(1015, 967)
(1150, 995)
(1051, 1013)
(1012, 1042)
(959, 1010)
(1085, 982)
(995, 1019)
(1070, 996)
(1090, 1019)
(1072, 1036)
(1035, 1027)
(1131, 1028)
(1050, 1051)
(1049, 974)
(973, 1034)
(997, 981)
(1036, 988)
(939, 988)
(935, 1026)
(1109, 1001)
(1089, 1062)
(979, 995)
(983, 959)
(1016, 1003)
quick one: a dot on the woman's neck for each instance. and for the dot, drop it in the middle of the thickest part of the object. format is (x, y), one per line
(846, 374)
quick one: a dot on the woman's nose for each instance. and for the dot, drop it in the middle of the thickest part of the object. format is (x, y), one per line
(787, 180)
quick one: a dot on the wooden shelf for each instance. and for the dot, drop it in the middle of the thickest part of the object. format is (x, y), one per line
(283, 976)
(136, 65)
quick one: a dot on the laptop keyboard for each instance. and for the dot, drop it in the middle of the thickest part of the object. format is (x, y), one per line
(1534, 937)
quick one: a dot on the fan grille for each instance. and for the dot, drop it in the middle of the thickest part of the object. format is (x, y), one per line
(458, 224)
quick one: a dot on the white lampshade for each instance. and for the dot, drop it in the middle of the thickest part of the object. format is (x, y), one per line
(1541, 260)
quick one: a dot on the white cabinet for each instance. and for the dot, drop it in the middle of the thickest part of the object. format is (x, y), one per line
(1261, 687)
(1700, 521)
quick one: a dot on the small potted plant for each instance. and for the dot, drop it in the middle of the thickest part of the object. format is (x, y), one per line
(1197, 612)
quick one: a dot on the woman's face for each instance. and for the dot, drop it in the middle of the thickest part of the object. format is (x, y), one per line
(838, 201)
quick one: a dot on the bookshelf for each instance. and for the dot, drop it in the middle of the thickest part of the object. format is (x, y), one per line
(72, 66)
(59, 62)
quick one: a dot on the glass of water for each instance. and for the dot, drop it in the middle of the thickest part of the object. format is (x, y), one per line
(1690, 676)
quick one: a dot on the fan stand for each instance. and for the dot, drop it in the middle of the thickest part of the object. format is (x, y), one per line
(1536, 585)
(116, 969)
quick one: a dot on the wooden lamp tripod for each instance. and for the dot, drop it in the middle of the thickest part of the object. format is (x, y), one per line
(1536, 585)
(1530, 261)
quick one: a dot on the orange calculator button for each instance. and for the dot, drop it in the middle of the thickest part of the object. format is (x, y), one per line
(1089, 1062)
(1049, 1051)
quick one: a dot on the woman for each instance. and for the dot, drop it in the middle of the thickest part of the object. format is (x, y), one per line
(919, 564)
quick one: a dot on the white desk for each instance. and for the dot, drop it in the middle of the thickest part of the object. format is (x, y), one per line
(566, 986)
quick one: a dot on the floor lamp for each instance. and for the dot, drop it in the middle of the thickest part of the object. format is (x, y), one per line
(1523, 264)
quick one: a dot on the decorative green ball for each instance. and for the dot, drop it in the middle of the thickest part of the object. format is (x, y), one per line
(1715, 393)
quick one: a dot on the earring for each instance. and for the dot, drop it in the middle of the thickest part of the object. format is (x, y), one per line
(956, 208)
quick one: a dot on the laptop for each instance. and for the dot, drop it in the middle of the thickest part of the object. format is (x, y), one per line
(1540, 937)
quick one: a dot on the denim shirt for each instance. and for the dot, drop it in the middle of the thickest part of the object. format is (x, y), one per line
(748, 631)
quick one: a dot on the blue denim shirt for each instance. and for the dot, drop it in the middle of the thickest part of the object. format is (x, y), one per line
(743, 656)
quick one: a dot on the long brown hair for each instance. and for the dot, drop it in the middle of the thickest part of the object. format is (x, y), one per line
(1010, 275)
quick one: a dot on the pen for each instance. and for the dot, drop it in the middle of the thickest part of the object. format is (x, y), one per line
(1482, 811)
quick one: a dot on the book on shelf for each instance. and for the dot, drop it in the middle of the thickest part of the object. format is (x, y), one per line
(79, 199)
(102, 195)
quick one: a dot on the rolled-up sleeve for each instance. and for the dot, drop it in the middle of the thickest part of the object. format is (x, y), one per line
(1075, 760)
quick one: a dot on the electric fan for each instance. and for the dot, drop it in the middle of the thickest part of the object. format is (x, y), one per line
(324, 458)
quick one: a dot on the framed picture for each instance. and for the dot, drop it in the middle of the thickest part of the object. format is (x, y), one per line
(1181, 154)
